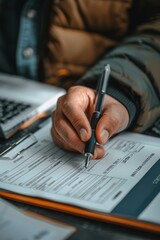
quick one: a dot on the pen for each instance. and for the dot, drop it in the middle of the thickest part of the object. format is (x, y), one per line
(101, 91)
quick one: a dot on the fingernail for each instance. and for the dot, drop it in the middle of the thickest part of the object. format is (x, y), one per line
(104, 136)
(83, 134)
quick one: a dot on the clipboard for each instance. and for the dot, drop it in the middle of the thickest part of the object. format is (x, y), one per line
(120, 220)
(108, 218)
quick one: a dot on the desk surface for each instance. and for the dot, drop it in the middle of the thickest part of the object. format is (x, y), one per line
(89, 229)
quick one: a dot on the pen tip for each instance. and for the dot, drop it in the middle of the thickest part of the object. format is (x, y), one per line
(88, 158)
(86, 164)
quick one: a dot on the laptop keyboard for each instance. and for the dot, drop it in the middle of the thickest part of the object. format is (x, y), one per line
(10, 109)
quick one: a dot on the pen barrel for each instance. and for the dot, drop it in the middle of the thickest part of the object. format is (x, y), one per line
(90, 144)
(95, 119)
(101, 91)
(99, 102)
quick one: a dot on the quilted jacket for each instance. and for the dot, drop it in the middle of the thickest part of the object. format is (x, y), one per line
(81, 36)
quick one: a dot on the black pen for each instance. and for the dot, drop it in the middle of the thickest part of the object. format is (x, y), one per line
(101, 91)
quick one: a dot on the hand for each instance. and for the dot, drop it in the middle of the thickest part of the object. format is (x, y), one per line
(71, 120)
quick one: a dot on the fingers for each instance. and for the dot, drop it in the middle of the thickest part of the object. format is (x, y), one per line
(64, 134)
(99, 152)
(77, 118)
(70, 124)
(61, 141)
(114, 119)
(71, 120)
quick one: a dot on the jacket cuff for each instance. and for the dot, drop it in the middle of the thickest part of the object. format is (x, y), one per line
(128, 103)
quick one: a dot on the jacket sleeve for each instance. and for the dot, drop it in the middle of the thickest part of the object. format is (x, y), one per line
(135, 71)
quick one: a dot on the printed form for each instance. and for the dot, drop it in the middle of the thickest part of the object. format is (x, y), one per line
(48, 172)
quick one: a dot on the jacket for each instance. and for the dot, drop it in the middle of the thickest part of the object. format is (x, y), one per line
(82, 36)
(78, 34)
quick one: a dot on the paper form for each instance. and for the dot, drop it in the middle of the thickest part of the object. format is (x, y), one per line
(16, 225)
(46, 171)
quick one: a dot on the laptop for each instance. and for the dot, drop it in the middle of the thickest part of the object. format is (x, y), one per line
(23, 101)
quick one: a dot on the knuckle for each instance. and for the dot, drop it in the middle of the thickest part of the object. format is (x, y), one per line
(58, 123)
(76, 123)
(60, 100)
(72, 88)
(67, 104)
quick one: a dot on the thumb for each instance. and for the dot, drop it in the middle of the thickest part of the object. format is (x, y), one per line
(114, 119)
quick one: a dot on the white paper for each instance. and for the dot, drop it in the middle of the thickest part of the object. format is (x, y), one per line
(16, 225)
(48, 172)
